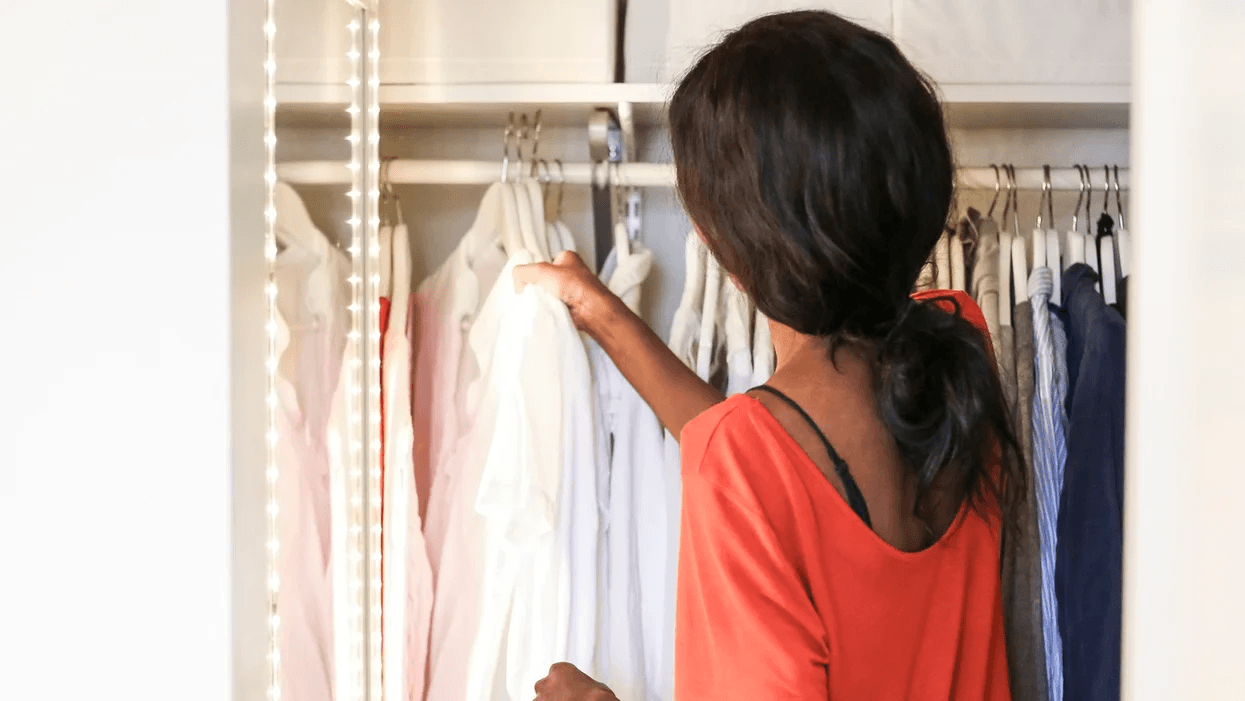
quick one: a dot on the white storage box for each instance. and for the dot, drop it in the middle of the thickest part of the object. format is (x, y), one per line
(497, 41)
(1047, 42)
(697, 24)
(312, 40)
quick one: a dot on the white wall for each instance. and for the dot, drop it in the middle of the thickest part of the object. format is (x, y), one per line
(1185, 492)
(115, 503)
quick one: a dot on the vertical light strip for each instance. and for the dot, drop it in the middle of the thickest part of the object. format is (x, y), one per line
(355, 348)
(372, 159)
(271, 472)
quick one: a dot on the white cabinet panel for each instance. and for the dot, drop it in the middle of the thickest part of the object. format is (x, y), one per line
(312, 40)
(696, 24)
(486, 41)
(1025, 41)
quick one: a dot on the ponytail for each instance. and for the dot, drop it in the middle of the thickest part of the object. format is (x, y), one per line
(940, 396)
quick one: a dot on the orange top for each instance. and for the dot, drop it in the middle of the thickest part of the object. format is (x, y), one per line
(784, 593)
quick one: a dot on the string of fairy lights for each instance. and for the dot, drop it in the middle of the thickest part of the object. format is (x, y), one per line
(271, 473)
(363, 546)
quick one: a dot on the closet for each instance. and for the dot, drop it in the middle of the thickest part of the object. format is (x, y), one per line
(566, 109)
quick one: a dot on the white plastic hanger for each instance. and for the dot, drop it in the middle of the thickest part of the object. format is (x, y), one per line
(1106, 247)
(708, 316)
(1075, 240)
(956, 248)
(684, 332)
(1049, 237)
(1090, 244)
(942, 262)
(1020, 270)
(1106, 252)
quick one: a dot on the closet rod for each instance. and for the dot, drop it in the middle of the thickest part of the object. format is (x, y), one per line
(429, 172)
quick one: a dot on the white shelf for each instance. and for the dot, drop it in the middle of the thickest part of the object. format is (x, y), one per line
(570, 104)
(1049, 106)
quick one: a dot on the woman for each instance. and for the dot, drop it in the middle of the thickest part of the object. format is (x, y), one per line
(841, 525)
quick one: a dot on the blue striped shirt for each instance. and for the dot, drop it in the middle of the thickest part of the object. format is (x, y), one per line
(1050, 426)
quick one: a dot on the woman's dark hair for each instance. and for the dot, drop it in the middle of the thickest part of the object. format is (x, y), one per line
(814, 159)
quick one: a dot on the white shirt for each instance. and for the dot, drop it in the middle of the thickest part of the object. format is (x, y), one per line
(312, 462)
(445, 305)
(407, 596)
(684, 342)
(633, 641)
(762, 351)
(520, 490)
(737, 322)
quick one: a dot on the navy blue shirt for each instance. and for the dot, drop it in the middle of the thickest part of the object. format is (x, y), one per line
(1089, 554)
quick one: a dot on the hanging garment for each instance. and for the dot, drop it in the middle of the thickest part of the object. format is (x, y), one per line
(303, 599)
(445, 306)
(451, 407)
(762, 351)
(312, 300)
(407, 577)
(633, 638)
(984, 284)
(684, 340)
(1089, 557)
(785, 593)
(942, 262)
(736, 322)
(516, 638)
(959, 280)
(711, 315)
(1022, 569)
(1049, 452)
(685, 327)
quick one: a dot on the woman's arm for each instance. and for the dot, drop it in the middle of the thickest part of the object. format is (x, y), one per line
(675, 393)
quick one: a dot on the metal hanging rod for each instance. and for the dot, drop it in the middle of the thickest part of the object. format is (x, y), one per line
(449, 172)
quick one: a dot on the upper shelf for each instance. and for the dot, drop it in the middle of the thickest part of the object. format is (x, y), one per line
(569, 104)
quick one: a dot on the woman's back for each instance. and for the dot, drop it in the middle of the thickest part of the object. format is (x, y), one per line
(786, 592)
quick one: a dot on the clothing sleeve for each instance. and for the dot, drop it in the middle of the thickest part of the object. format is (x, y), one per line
(746, 628)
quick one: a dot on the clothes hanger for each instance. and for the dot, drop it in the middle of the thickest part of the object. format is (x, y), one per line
(1020, 269)
(1004, 266)
(540, 223)
(1088, 243)
(1123, 243)
(1054, 252)
(1039, 236)
(684, 332)
(1074, 241)
(496, 222)
(1106, 244)
(955, 245)
(709, 317)
(942, 262)
(543, 176)
(385, 235)
(564, 233)
(533, 240)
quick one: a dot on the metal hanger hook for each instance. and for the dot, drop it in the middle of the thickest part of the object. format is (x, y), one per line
(998, 184)
(1080, 196)
(557, 208)
(535, 139)
(505, 147)
(1089, 196)
(1119, 206)
(1106, 186)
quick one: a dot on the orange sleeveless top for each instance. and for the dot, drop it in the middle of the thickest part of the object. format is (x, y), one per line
(785, 593)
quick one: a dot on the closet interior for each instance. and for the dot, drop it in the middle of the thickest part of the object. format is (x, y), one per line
(558, 110)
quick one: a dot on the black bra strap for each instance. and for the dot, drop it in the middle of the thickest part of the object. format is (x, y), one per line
(855, 498)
